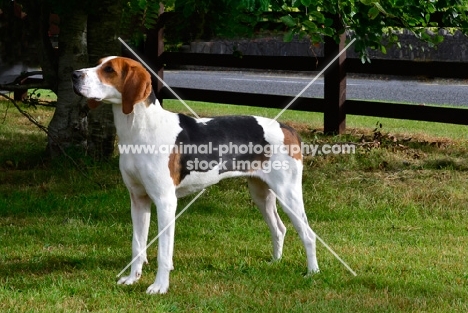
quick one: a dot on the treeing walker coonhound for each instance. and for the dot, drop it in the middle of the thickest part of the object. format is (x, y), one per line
(163, 177)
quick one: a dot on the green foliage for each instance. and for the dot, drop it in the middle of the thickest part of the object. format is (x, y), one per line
(204, 19)
(194, 19)
(372, 21)
(138, 16)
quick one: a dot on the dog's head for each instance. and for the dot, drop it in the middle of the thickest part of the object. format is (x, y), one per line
(114, 80)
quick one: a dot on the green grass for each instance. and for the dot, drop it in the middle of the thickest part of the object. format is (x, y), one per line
(395, 212)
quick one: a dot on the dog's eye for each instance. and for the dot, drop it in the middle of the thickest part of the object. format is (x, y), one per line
(108, 69)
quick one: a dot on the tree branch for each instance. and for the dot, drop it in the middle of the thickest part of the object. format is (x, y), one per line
(26, 114)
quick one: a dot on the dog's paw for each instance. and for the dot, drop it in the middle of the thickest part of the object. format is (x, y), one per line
(157, 289)
(312, 272)
(128, 280)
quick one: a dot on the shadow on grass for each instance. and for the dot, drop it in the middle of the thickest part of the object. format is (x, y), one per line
(43, 265)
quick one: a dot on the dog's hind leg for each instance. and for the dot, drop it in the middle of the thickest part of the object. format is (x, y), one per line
(266, 202)
(141, 212)
(290, 198)
(287, 186)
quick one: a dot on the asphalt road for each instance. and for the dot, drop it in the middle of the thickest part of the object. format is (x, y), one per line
(438, 92)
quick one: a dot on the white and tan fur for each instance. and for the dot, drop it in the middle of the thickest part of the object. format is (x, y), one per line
(139, 119)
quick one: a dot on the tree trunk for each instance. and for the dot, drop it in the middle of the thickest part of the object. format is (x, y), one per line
(41, 44)
(103, 26)
(67, 128)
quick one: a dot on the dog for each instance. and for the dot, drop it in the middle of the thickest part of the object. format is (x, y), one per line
(268, 151)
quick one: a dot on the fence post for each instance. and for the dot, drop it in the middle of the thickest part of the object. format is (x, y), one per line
(334, 118)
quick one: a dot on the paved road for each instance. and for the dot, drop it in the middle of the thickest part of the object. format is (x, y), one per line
(408, 91)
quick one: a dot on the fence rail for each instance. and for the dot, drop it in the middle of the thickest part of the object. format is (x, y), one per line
(306, 64)
(353, 107)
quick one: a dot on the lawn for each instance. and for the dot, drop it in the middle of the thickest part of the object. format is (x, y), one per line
(395, 211)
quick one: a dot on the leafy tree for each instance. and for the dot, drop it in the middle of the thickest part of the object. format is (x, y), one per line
(138, 17)
(223, 18)
(88, 31)
(197, 19)
(373, 22)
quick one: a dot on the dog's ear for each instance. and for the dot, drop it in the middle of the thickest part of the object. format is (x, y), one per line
(136, 87)
(92, 104)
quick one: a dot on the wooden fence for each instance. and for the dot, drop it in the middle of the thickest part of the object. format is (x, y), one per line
(334, 105)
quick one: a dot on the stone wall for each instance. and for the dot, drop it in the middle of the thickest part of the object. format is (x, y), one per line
(453, 48)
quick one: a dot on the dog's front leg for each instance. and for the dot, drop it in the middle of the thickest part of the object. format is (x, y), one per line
(166, 208)
(141, 212)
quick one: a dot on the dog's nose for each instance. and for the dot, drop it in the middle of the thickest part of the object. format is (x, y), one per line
(76, 75)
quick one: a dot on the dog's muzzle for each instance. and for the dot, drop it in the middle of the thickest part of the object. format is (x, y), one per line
(77, 77)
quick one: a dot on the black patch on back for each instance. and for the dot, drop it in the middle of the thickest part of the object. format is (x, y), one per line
(220, 131)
